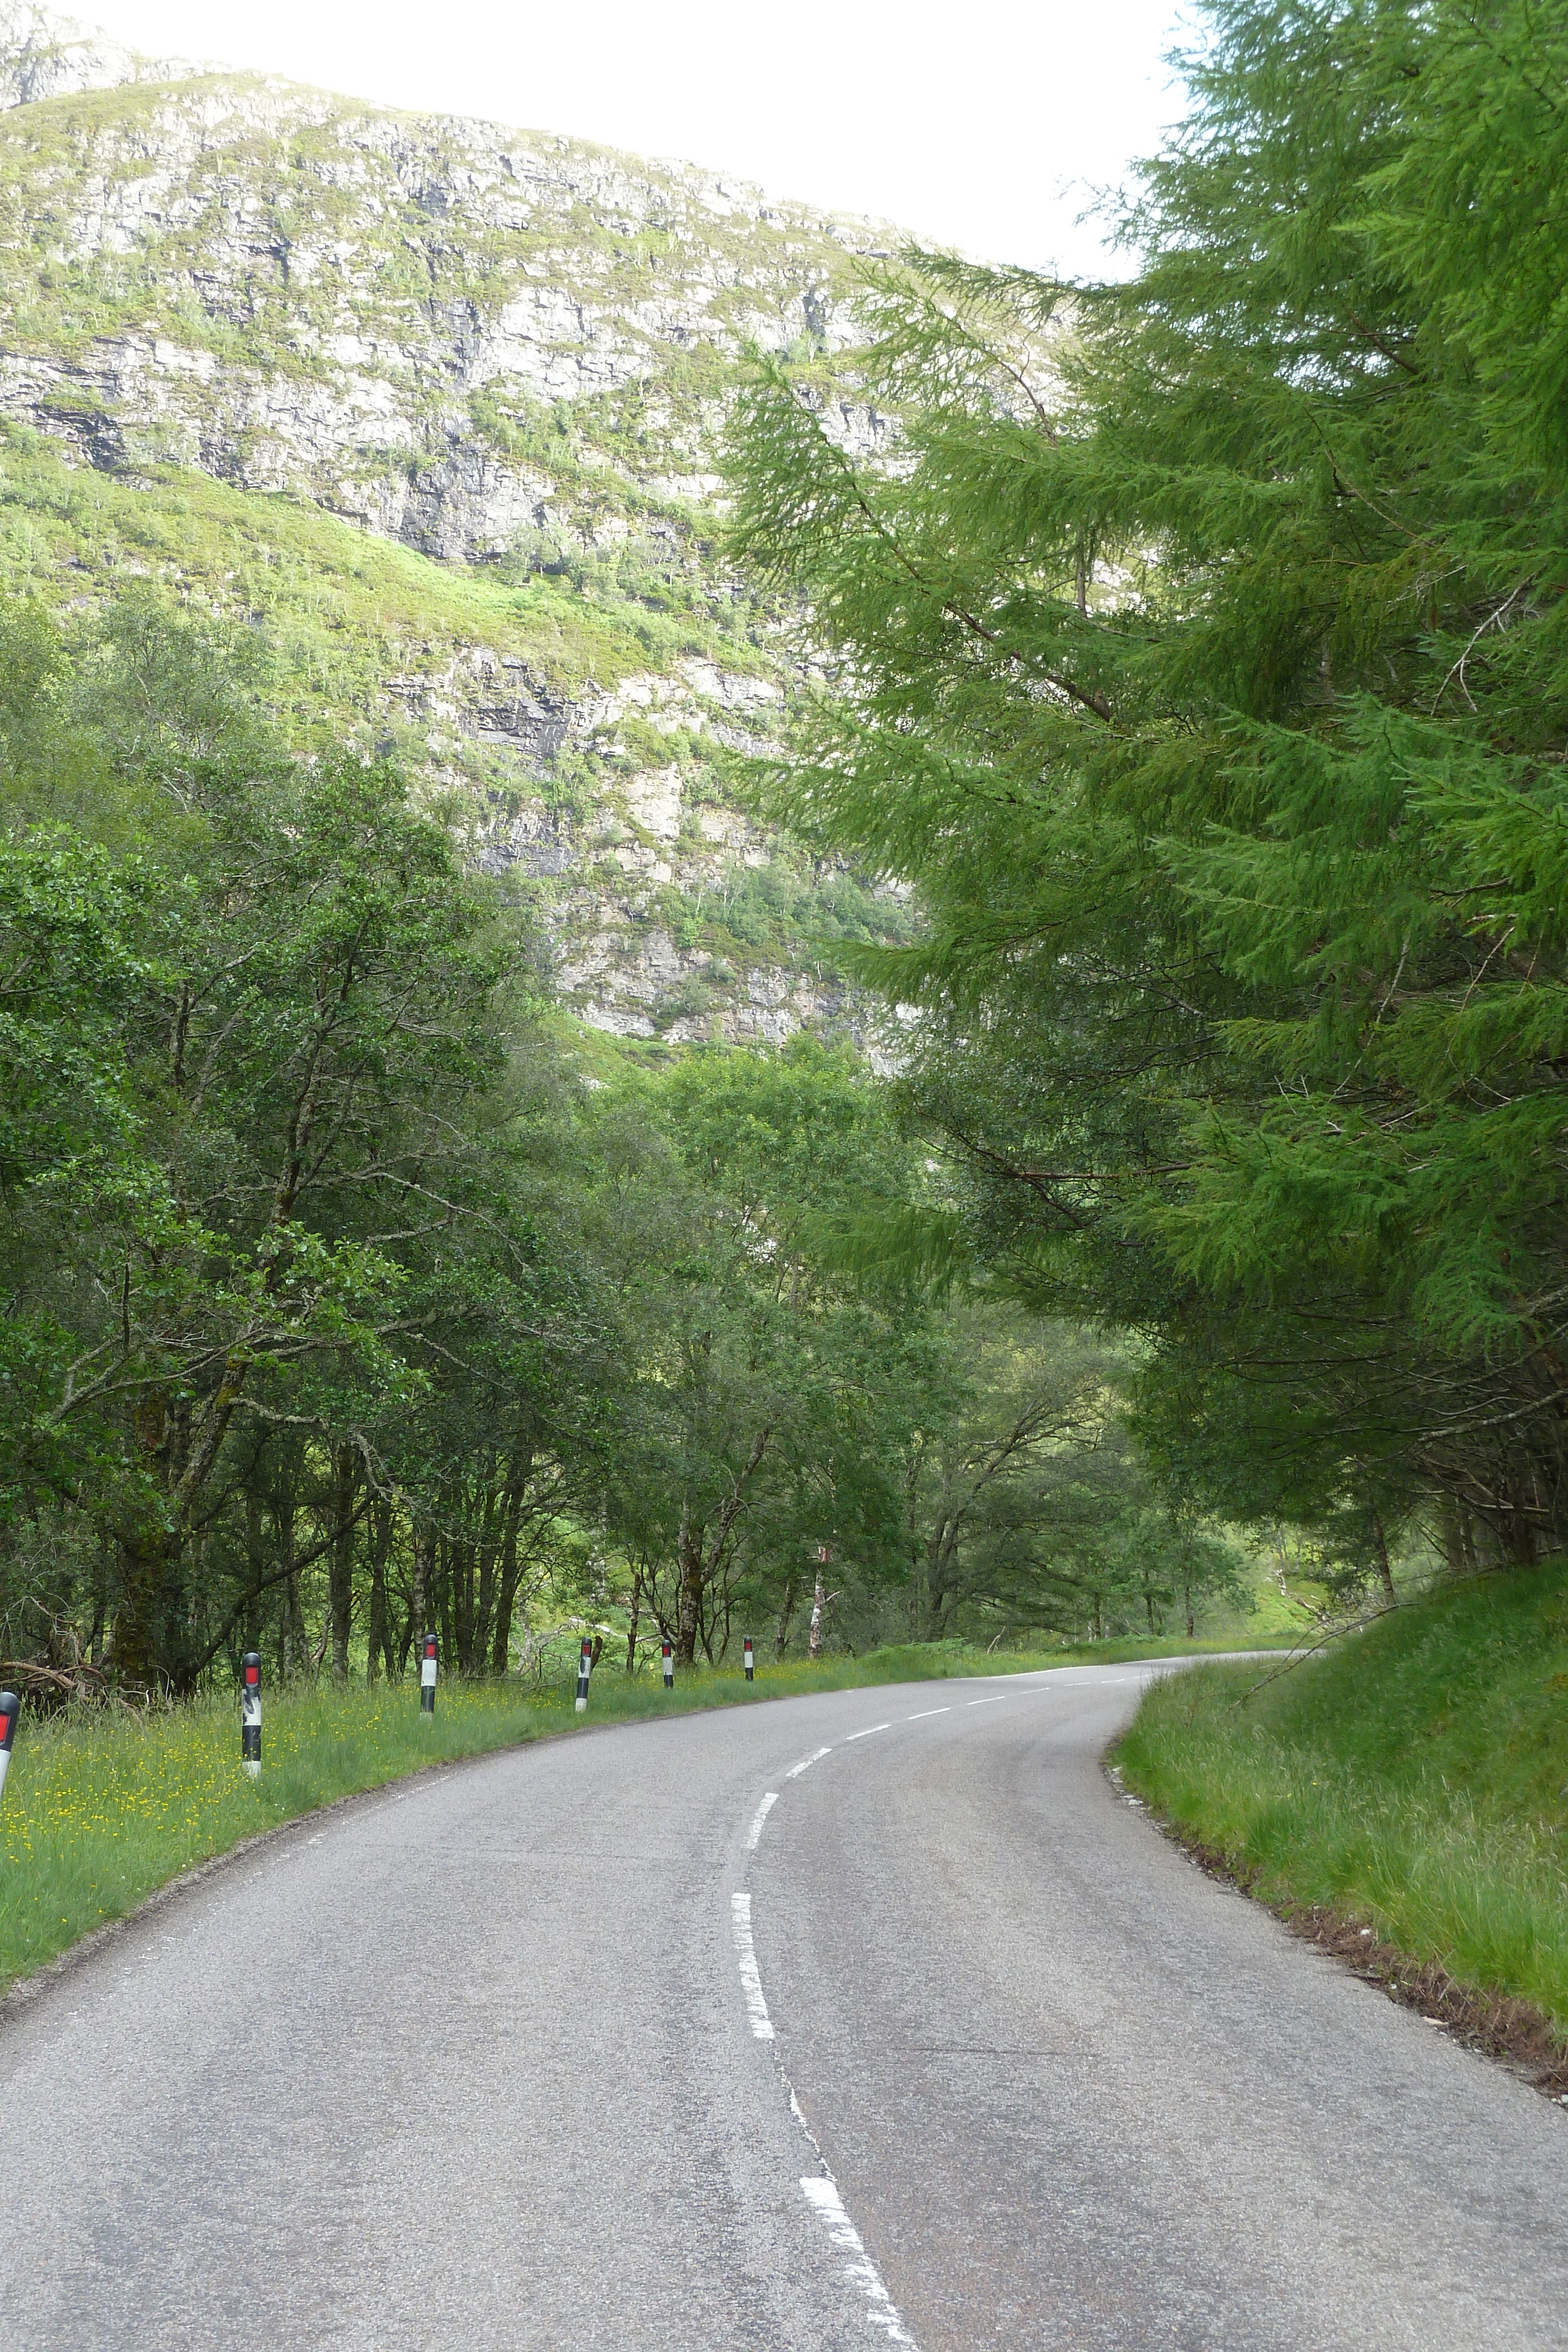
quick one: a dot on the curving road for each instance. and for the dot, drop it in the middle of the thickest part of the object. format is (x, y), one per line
(590, 2045)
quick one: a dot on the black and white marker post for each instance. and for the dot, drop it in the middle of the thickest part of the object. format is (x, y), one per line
(250, 1712)
(669, 1666)
(584, 1668)
(751, 1659)
(427, 1666)
(10, 1708)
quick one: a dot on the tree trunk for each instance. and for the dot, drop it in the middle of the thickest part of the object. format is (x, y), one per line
(509, 1573)
(787, 1610)
(256, 1564)
(291, 1634)
(320, 1650)
(460, 1579)
(376, 1632)
(506, 1603)
(139, 1641)
(689, 1557)
(1380, 1551)
(95, 1639)
(145, 1561)
(1459, 1536)
(633, 1614)
(940, 1577)
(479, 1634)
(1519, 1544)
(419, 1607)
(819, 1602)
(380, 1646)
(1187, 1596)
(341, 1579)
(442, 1571)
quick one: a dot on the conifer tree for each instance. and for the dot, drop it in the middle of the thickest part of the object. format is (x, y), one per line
(1203, 661)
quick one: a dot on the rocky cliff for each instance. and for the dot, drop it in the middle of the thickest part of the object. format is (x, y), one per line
(436, 402)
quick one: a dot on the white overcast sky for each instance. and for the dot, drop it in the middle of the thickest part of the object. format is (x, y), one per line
(985, 124)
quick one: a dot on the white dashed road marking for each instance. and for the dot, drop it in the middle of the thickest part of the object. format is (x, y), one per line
(859, 2271)
(820, 2189)
(758, 1817)
(746, 1953)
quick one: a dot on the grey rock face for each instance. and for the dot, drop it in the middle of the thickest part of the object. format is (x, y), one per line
(43, 56)
(494, 348)
(350, 294)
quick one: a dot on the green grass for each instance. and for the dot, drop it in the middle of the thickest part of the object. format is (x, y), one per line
(343, 608)
(1413, 1779)
(101, 1810)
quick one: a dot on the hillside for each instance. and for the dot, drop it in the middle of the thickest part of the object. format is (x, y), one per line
(436, 403)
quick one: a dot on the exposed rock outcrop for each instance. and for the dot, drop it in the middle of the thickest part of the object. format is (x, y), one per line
(507, 352)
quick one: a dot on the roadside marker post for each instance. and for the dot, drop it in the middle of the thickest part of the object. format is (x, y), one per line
(669, 1666)
(250, 1712)
(751, 1659)
(427, 1669)
(10, 1708)
(584, 1668)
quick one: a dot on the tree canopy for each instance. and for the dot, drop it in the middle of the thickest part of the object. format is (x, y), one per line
(1201, 659)
(349, 1294)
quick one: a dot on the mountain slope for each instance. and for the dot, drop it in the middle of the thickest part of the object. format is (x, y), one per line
(437, 403)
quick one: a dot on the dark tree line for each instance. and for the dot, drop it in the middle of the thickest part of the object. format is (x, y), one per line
(340, 1305)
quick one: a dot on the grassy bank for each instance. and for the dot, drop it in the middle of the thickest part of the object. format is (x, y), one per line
(1412, 1779)
(99, 1810)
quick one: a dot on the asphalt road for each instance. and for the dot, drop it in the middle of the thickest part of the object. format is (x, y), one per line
(583, 2046)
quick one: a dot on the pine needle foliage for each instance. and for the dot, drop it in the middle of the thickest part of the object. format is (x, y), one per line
(1202, 658)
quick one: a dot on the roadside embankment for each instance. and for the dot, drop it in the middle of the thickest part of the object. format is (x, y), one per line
(1412, 1782)
(102, 1809)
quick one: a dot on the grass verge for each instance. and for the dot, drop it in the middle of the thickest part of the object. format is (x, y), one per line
(100, 1811)
(1406, 1793)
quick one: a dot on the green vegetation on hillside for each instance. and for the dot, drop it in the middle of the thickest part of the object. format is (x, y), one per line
(434, 405)
(345, 609)
(1414, 1780)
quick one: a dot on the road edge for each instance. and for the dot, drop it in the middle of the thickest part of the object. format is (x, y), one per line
(1514, 2035)
(24, 1991)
